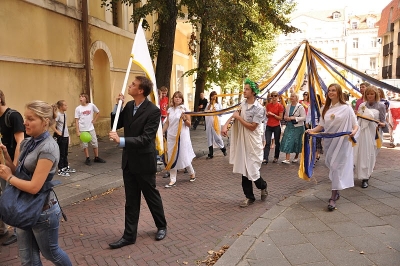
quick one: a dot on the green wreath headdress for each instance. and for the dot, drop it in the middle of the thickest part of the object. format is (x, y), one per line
(253, 85)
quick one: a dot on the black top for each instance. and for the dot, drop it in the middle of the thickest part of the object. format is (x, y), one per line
(203, 102)
(7, 133)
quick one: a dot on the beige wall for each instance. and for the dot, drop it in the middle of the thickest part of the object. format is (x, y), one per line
(41, 54)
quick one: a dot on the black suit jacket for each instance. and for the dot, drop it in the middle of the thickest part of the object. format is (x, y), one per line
(139, 153)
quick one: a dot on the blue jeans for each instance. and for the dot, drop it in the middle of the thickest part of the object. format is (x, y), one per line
(43, 237)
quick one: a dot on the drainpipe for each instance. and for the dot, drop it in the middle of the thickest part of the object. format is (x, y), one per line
(85, 43)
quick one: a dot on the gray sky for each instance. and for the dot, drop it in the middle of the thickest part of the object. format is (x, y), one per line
(357, 6)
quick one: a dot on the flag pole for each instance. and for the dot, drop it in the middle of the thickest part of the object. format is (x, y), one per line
(128, 70)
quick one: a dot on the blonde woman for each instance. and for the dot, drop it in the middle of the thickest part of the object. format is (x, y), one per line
(38, 159)
(295, 116)
(184, 154)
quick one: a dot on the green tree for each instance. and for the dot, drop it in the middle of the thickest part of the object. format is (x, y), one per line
(161, 45)
(229, 33)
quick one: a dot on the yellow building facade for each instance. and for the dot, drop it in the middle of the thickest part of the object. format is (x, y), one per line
(56, 49)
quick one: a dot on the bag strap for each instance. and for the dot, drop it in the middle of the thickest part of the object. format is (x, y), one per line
(62, 212)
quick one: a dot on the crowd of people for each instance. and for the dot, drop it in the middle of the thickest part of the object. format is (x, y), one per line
(256, 127)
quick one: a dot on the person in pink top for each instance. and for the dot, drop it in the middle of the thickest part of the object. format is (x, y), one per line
(274, 114)
(363, 86)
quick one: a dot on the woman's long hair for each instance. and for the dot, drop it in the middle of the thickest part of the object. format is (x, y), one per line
(329, 101)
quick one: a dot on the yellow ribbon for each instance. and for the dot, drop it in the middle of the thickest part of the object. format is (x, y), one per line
(170, 161)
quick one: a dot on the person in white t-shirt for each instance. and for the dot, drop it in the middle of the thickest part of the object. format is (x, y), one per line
(86, 115)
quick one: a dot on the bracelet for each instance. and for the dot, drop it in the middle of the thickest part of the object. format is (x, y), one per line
(8, 179)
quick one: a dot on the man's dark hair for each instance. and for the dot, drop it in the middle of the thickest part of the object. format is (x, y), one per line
(3, 98)
(145, 84)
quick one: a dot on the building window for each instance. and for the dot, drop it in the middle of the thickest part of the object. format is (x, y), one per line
(354, 63)
(354, 25)
(372, 63)
(335, 52)
(373, 42)
(355, 43)
(336, 15)
(371, 23)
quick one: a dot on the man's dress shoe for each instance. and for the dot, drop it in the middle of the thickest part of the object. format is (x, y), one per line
(161, 233)
(121, 243)
(364, 183)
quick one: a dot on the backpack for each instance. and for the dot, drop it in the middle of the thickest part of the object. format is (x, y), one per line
(7, 117)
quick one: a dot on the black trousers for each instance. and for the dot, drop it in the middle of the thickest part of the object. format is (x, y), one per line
(135, 185)
(63, 146)
(268, 139)
(247, 186)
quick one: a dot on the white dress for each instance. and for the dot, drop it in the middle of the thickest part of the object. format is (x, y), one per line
(366, 150)
(213, 139)
(339, 150)
(246, 153)
(186, 153)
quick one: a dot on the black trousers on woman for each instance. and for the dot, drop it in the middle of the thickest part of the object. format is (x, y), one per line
(247, 186)
(63, 146)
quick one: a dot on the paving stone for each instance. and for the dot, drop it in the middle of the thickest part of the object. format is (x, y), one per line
(387, 259)
(377, 193)
(270, 262)
(302, 254)
(346, 256)
(366, 219)
(350, 207)
(264, 248)
(393, 220)
(287, 237)
(381, 209)
(347, 229)
(312, 204)
(280, 224)
(392, 201)
(310, 225)
(331, 216)
(363, 200)
(368, 244)
(327, 240)
(384, 233)
(259, 226)
(235, 252)
(297, 212)
(274, 212)
(289, 201)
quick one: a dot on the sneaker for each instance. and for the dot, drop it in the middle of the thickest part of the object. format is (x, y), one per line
(264, 194)
(160, 163)
(286, 161)
(246, 203)
(98, 160)
(62, 173)
(69, 170)
(295, 160)
(87, 162)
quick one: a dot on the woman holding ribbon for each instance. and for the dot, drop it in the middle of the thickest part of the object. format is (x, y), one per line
(180, 151)
(338, 117)
(371, 118)
(213, 126)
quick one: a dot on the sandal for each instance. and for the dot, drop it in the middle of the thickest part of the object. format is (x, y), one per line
(331, 207)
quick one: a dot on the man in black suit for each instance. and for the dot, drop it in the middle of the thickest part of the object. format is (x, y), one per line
(140, 119)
